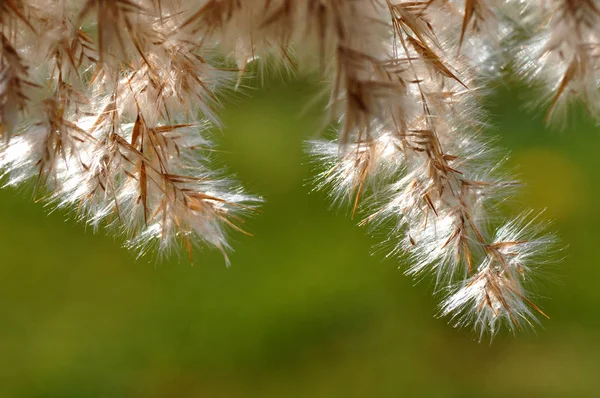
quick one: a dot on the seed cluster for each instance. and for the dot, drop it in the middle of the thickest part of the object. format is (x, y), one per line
(106, 104)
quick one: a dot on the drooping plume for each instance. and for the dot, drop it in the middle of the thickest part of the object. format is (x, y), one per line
(562, 52)
(116, 125)
(105, 104)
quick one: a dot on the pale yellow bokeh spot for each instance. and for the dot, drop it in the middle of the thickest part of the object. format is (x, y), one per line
(552, 181)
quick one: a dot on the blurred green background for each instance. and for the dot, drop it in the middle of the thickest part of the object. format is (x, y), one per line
(305, 310)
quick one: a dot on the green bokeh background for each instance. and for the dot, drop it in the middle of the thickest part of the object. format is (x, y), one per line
(305, 310)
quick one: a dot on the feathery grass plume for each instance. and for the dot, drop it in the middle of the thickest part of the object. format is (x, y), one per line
(495, 293)
(562, 52)
(105, 104)
(116, 126)
(411, 132)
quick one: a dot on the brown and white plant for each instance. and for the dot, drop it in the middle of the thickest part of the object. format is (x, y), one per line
(105, 104)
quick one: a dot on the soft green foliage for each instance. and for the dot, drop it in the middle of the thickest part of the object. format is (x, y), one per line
(304, 311)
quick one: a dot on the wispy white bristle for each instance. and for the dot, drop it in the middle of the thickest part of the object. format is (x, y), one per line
(106, 105)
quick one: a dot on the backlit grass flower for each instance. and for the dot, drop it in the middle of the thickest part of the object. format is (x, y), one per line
(105, 104)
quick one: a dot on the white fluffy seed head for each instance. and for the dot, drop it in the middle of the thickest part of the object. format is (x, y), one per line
(106, 105)
(497, 294)
(410, 150)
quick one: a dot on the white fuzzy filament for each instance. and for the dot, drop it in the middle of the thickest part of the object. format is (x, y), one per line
(105, 104)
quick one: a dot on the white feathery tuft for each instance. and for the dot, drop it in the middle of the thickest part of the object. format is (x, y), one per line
(106, 104)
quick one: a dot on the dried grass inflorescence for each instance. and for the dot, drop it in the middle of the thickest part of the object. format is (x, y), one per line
(105, 104)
